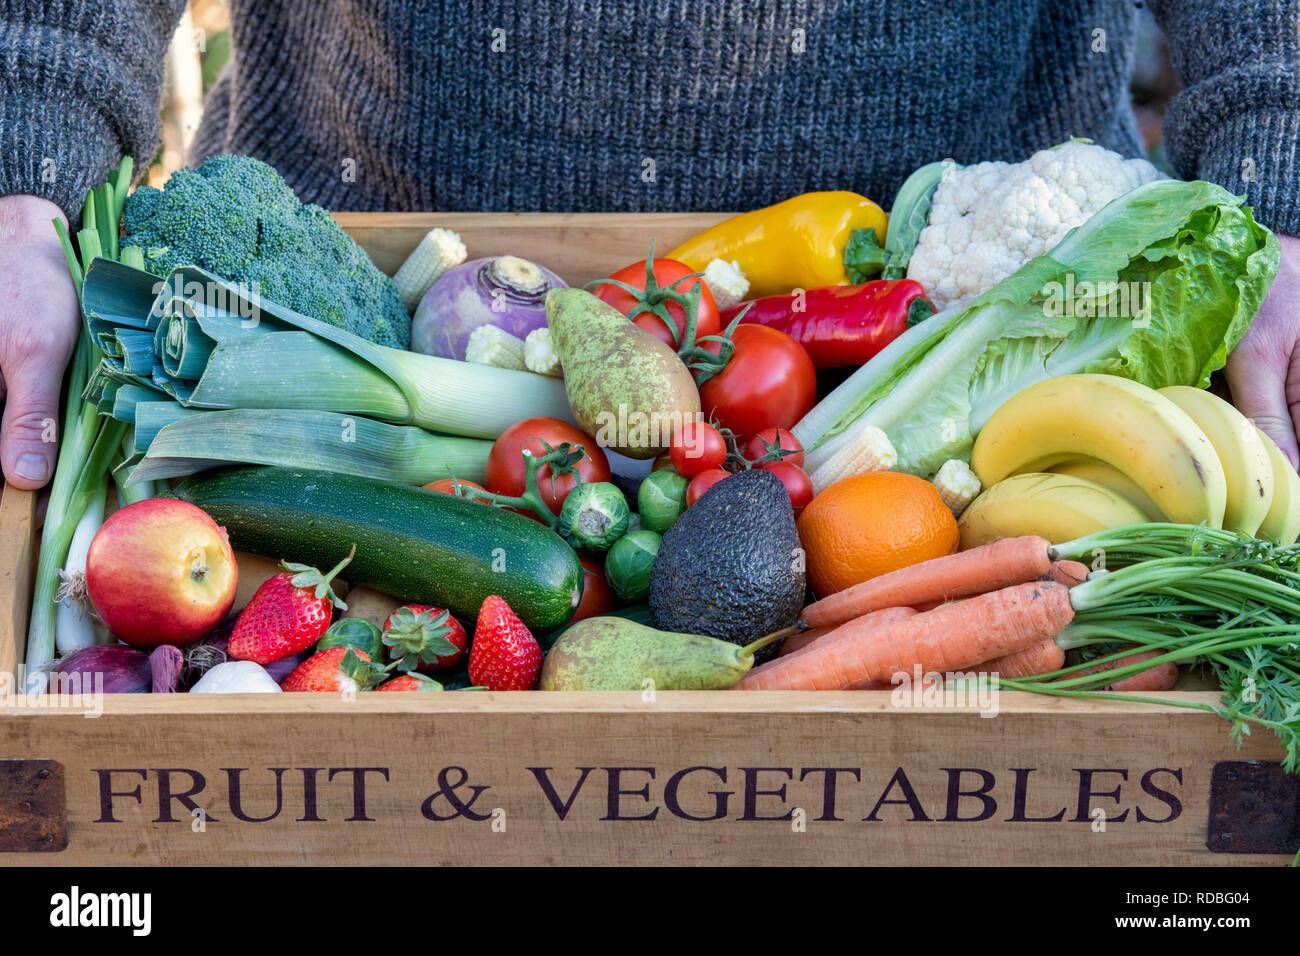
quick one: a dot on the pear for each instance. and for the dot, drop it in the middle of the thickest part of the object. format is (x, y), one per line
(627, 389)
(612, 653)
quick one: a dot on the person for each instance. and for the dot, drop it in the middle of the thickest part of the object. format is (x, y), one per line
(627, 105)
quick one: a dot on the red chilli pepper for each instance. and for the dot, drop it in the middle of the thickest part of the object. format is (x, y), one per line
(842, 325)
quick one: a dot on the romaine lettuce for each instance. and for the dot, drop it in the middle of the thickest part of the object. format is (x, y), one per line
(1158, 287)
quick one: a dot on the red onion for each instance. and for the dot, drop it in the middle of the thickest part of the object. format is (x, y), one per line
(166, 663)
(125, 670)
(506, 291)
(281, 669)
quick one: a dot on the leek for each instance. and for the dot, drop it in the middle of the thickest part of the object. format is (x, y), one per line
(324, 441)
(129, 491)
(218, 346)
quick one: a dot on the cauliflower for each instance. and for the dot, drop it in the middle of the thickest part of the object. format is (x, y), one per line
(989, 219)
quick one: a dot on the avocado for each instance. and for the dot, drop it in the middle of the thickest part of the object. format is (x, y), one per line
(731, 566)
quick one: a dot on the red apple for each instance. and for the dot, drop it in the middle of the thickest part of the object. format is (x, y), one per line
(161, 571)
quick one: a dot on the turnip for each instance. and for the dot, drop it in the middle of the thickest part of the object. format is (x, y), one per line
(506, 292)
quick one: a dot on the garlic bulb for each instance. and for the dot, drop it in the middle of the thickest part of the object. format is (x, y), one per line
(236, 677)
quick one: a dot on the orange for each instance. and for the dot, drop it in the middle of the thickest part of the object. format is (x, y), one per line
(867, 525)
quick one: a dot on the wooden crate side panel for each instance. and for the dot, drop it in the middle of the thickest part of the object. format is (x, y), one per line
(342, 783)
(17, 560)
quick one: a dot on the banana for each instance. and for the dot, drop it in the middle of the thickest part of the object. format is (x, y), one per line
(1060, 508)
(1282, 523)
(1089, 469)
(1236, 441)
(1123, 423)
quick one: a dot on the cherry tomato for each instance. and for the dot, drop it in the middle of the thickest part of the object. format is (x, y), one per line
(756, 448)
(797, 483)
(769, 382)
(668, 274)
(697, 446)
(505, 464)
(448, 487)
(702, 483)
(597, 596)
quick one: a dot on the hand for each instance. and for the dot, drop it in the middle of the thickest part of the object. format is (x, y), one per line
(39, 322)
(1264, 369)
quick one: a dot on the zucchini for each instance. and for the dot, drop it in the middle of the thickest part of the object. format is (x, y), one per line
(422, 546)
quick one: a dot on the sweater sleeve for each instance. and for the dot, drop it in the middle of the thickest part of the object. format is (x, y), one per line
(1237, 120)
(82, 86)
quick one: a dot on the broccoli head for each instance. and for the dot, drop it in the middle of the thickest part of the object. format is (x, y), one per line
(236, 217)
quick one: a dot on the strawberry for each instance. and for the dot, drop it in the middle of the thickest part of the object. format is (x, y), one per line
(287, 614)
(504, 655)
(410, 682)
(334, 669)
(421, 637)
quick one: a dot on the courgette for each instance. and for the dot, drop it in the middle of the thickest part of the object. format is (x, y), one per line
(422, 546)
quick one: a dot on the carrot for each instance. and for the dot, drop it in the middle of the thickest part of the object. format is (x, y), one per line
(1069, 573)
(989, 567)
(800, 642)
(1160, 677)
(1038, 658)
(946, 639)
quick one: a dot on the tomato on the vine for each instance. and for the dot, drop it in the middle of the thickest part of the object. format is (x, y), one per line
(703, 482)
(448, 485)
(797, 483)
(668, 273)
(769, 382)
(697, 446)
(768, 438)
(505, 464)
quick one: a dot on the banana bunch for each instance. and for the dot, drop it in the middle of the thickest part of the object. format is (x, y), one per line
(1071, 452)
(1056, 507)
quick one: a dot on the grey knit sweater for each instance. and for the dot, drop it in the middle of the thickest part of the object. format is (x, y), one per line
(646, 104)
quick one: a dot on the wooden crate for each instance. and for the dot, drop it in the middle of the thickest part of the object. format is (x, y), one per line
(605, 778)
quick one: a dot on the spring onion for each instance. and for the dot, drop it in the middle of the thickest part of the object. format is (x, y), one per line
(89, 441)
(73, 626)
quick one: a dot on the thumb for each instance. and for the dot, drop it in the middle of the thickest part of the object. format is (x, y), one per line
(29, 434)
(1259, 392)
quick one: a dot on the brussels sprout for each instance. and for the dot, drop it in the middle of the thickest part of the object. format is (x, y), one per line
(594, 516)
(627, 566)
(661, 499)
(353, 632)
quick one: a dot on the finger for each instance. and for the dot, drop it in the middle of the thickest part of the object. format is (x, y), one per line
(29, 431)
(1259, 392)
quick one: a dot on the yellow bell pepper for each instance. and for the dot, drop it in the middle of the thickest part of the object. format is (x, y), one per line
(796, 244)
